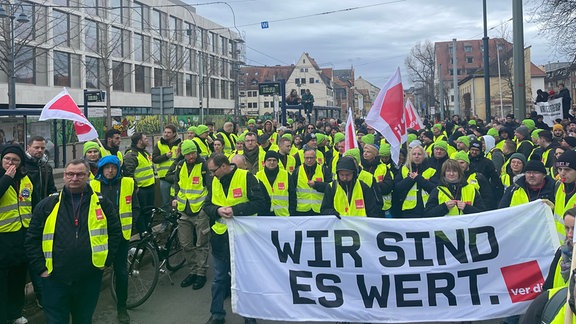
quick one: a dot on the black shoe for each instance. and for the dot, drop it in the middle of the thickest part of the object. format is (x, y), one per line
(188, 281)
(123, 316)
(199, 282)
(216, 321)
(249, 320)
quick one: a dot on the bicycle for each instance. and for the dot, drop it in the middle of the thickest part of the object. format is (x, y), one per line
(149, 256)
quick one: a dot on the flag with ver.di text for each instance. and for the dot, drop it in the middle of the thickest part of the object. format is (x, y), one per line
(350, 132)
(387, 114)
(359, 269)
(63, 107)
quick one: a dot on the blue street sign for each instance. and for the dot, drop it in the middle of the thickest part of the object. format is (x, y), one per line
(264, 24)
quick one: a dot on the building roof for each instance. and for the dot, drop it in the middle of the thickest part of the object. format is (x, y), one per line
(259, 74)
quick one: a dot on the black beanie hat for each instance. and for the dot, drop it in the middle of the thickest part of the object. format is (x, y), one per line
(570, 140)
(536, 166)
(346, 163)
(308, 138)
(16, 149)
(567, 160)
(271, 154)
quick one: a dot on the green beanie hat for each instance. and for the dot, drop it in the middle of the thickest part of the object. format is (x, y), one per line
(90, 145)
(535, 132)
(529, 123)
(290, 121)
(439, 126)
(288, 136)
(471, 122)
(355, 153)
(492, 132)
(411, 137)
(187, 147)
(368, 139)
(320, 137)
(339, 137)
(192, 129)
(441, 144)
(201, 129)
(384, 150)
(460, 155)
(242, 137)
(465, 140)
(251, 121)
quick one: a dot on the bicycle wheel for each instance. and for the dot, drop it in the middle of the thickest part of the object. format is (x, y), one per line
(143, 272)
(175, 256)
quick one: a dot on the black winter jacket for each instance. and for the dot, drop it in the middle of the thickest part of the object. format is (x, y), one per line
(72, 254)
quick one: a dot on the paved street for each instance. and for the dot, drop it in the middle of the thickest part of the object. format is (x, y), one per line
(168, 305)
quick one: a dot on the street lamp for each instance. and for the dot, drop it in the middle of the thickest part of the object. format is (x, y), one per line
(22, 18)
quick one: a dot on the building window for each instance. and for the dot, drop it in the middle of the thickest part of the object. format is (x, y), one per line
(158, 77)
(61, 69)
(213, 88)
(138, 47)
(224, 89)
(137, 12)
(91, 7)
(92, 72)
(26, 65)
(303, 81)
(61, 29)
(467, 48)
(266, 104)
(116, 16)
(92, 39)
(469, 59)
(156, 21)
(451, 98)
(118, 76)
(156, 51)
(116, 42)
(139, 78)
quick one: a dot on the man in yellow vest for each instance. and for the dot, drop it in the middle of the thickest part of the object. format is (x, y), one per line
(565, 189)
(227, 135)
(275, 181)
(254, 155)
(203, 141)
(190, 178)
(348, 196)
(534, 184)
(163, 155)
(138, 165)
(233, 192)
(286, 160)
(111, 144)
(72, 236)
(121, 191)
(310, 180)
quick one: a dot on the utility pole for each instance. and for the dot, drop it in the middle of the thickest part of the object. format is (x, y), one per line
(486, 66)
(518, 56)
(455, 78)
(441, 91)
(201, 86)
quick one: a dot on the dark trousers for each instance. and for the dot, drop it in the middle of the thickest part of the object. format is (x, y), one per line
(12, 283)
(220, 285)
(79, 299)
(121, 274)
(146, 199)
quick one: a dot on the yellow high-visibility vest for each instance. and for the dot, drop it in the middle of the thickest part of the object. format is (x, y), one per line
(237, 194)
(379, 175)
(144, 173)
(560, 208)
(203, 149)
(355, 207)
(97, 229)
(410, 201)
(278, 191)
(16, 207)
(162, 168)
(192, 189)
(290, 164)
(124, 203)
(468, 196)
(105, 152)
(308, 198)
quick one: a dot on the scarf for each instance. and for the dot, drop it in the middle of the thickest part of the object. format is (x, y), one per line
(566, 260)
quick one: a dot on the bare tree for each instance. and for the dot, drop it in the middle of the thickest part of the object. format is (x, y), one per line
(556, 18)
(421, 69)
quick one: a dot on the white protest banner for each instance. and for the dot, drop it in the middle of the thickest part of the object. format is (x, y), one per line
(551, 110)
(358, 269)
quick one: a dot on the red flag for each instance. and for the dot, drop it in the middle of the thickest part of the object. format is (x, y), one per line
(387, 114)
(350, 133)
(412, 118)
(64, 107)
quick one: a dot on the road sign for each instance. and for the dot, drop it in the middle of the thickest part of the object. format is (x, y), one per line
(95, 96)
(269, 88)
(264, 25)
(162, 100)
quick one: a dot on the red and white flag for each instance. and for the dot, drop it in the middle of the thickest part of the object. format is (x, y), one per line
(64, 107)
(350, 133)
(412, 118)
(387, 114)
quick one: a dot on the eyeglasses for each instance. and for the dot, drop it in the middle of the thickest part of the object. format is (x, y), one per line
(310, 127)
(13, 160)
(214, 170)
(249, 140)
(78, 175)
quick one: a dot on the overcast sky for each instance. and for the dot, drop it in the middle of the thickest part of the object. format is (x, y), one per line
(372, 36)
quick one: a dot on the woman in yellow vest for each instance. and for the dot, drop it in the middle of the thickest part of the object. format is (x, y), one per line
(560, 267)
(348, 196)
(413, 185)
(91, 154)
(454, 196)
(515, 167)
(15, 213)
